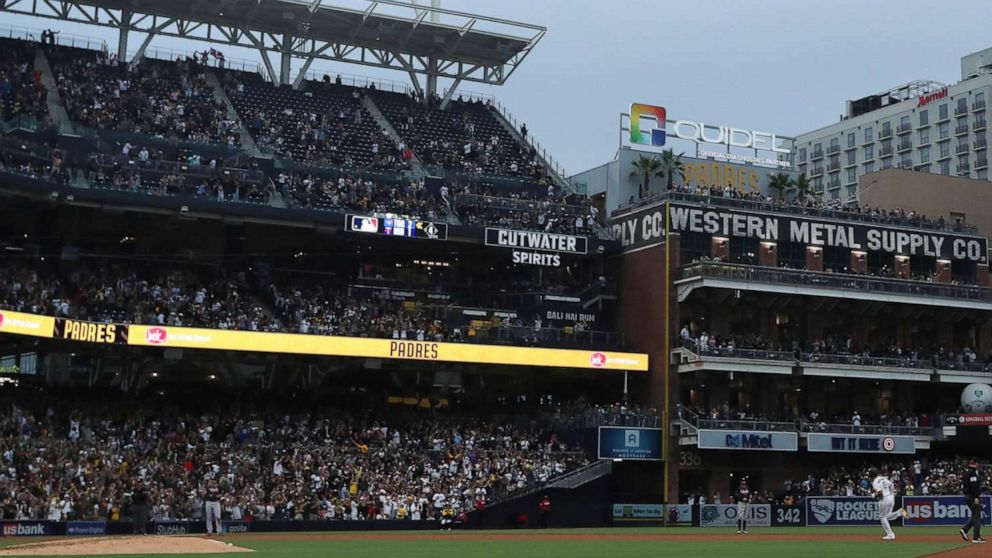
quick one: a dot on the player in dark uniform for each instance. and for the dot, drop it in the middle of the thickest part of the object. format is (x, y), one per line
(743, 500)
(213, 508)
(972, 486)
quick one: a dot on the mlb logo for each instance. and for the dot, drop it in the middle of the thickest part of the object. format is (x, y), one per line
(632, 438)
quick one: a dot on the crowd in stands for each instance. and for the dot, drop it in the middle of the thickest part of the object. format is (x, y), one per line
(171, 100)
(811, 420)
(546, 211)
(363, 195)
(172, 294)
(816, 349)
(81, 460)
(21, 90)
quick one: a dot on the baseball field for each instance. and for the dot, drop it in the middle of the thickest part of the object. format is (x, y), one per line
(591, 543)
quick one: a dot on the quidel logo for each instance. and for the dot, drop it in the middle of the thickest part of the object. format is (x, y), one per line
(657, 134)
(597, 360)
(156, 335)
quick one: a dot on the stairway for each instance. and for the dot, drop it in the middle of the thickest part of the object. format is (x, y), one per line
(383, 123)
(555, 170)
(247, 142)
(55, 106)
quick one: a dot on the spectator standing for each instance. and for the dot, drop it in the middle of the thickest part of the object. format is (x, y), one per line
(545, 506)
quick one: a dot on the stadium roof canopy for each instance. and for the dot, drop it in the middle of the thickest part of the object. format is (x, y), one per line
(419, 40)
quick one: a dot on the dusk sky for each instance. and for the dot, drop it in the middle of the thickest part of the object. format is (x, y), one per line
(773, 65)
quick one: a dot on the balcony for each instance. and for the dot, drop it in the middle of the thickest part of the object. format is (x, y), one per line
(943, 118)
(816, 171)
(958, 111)
(980, 143)
(906, 164)
(833, 183)
(868, 141)
(964, 168)
(978, 105)
(904, 129)
(833, 167)
(922, 167)
(833, 148)
(837, 285)
(885, 133)
(851, 147)
(817, 154)
(961, 148)
(981, 164)
(885, 151)
(904, 146)
(978, 125)
(944, 156)
(961, 130)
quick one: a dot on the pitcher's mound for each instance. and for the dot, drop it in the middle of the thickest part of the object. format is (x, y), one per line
(151, 544)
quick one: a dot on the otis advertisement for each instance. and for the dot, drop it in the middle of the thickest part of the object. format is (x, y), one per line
(725, 515)
(647, 227)
(942, 510)
(841, 510)
(90, 332)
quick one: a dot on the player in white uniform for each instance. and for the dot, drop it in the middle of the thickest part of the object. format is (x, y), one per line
(885, 492)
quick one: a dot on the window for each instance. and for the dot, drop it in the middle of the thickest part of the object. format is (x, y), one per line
(886, 127)
(850, 139)
(887, 163)
(851, 190)
(906, 162)
(983, 174)
(944, 130)
(869, 135)
(945, 167)
(904, 122)
(802, 169)
(942, 110)
(925, 154)
(886, 147)
(851, 156)
(869, 167)
(963, 104)
(924, 117)
(802, 154)
(945, 149)
(835, 195)
(869, 152)
(834, 143)
(980, 97)
(924, 136)
(852, 175)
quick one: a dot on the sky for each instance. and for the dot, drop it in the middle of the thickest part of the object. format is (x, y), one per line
(782, 66)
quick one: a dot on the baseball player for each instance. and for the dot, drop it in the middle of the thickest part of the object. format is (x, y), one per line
(885, 493)
(743, 500)
(972, 486)
(213, 507)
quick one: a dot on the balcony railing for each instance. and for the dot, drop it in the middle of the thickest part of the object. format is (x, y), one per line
(959, 110)
(843, 359)
(978, 105)
(885, 151)
(905, 146)
(981, 164)
(825, 212)
(885, 133)
(961, 148)
(964, 168)
(835, 148)
(980, 143)
(961, 130)
(978, 125)
(798, 425)
(904, 129)
(831, 167)
(817, 171)
(842, 281)
(817, 154)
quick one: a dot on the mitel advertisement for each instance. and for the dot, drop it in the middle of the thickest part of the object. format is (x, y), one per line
(925, 511)
(841, 510)
(748, 440)
(725, 515)
(639, 444)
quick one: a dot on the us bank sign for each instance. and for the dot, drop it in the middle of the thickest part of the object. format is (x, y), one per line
(649, 125)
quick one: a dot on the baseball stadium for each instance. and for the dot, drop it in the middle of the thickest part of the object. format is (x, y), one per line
(328, 300)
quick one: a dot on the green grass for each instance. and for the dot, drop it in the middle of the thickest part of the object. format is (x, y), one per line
(469, 545)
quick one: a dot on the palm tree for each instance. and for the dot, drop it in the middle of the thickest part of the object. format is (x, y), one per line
(645, 168)
(780, 183)
(803, 187)
(671, 165)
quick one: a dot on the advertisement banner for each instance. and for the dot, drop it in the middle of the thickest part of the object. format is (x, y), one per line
(638, 444)
(294, 343)
(19, 323)
(926, 511)
(647, 227)
(851, 443)
(725, 515)
(841, 510)
(973, 419)
(235, 526)
(90, 332)
(676, 513)
(179, 527)
(86, 528)
(538, 241)
(788, 516)
(748, 440)
(28, 528)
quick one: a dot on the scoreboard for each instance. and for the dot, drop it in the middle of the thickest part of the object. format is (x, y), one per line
(396, 226)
